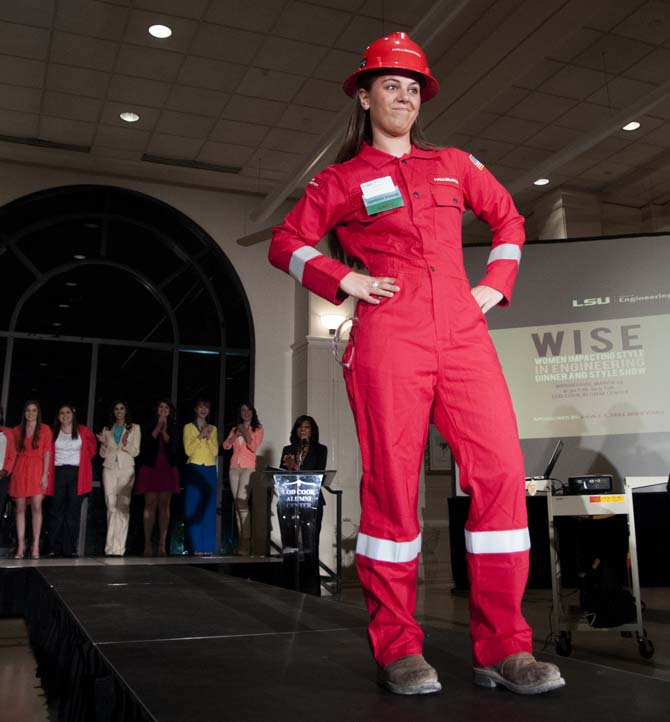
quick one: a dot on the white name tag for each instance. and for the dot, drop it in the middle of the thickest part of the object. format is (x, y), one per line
(377, 187)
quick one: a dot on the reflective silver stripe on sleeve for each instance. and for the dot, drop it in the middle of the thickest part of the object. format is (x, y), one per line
(505, 252)
(497, 542)
(385, 550)
(296, 267)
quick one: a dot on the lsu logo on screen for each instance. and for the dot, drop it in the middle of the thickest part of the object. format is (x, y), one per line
(582, 302)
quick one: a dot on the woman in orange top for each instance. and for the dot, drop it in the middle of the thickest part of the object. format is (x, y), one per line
(30, 477)
(244, 439)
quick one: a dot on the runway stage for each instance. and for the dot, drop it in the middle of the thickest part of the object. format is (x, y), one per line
(189, 643)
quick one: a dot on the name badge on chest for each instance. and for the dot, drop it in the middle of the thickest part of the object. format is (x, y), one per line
(380, 195)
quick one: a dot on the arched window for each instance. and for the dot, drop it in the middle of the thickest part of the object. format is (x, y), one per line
(108, 293)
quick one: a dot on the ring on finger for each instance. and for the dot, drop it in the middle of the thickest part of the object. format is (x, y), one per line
(375, 284)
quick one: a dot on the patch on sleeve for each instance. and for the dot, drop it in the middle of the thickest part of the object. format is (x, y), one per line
(314, 182)
(477, 163)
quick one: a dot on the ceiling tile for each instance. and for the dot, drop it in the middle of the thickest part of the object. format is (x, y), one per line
(174, 146)
(28, 12)
(621, 92)
(654, 68)
(584, 116)
(612, 54)
(191, 9)
(274, 160)
(212, 74)
(397, 11)
(79, 81)
(137, 31)
(138, 91)
(291, 141)
(506, 100)
(360, 32)
(299, 117)
(229, 131)
(225, 154)
(112, 111)
(660, 136)
(639, 154)
(538, 73)
(77, 50)
(75, 107)
(336, 65)
(197, 100)
(541, 107)
(606, 171)
(323, 94)
(555, 138)
(270, 84)
(186, 124)
(613, 13)
(524, 157)
(575, 44)
(87, 17)
(24, 100)
(148, 63)
(573, 82)
(257, 15)
(237, 46)
(20, 71)
(62, 130)
(576, 166)
(318, 24)
(22, 125)
(127, 138)
(289, 56)
(513, 130)
(606, 148)
(24, 41)
(254, 110)
(650, 23)
(486, 150)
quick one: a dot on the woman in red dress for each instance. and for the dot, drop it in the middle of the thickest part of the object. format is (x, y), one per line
(158, 477)
(30, 477)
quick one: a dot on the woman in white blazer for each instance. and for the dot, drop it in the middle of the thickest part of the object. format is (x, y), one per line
(119, 445)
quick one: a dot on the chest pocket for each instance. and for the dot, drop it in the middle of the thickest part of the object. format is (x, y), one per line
(359, 212)
(447, 194)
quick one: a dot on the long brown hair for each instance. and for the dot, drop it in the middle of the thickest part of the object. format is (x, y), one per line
(22, 426)
(359, 131)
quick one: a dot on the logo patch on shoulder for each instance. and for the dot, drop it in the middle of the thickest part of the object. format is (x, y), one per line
(313, 183)
(477, 163)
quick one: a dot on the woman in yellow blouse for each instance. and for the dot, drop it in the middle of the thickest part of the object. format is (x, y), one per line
(201, 445)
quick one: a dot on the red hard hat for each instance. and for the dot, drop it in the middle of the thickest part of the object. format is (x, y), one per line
(394, 51)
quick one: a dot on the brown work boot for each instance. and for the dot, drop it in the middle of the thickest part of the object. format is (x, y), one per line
(520, 673)
(409, 675)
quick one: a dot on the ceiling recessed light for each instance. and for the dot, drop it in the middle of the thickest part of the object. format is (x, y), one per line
(56, 323)
(91, 224)
(129, 117)
(160, 31)
(71, 284)
(63, 305)
(44, 363)
(541, 182)
(79, 256)
(633, 125)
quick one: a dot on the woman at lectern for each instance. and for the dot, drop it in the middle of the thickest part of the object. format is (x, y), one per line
(419, 350)
(306, 453)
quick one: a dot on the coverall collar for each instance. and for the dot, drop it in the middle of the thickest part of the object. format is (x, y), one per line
(379, 158)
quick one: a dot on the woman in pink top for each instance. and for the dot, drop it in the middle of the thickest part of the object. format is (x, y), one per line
(244, 439)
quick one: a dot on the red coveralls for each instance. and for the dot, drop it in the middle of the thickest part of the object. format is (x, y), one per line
(425, 353)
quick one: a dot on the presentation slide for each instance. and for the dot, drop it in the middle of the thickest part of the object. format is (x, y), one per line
(585, 343)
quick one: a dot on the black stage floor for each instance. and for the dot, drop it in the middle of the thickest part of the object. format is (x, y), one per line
(187, 644)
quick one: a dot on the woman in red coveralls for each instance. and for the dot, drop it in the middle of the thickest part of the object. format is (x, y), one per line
(420, 348)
